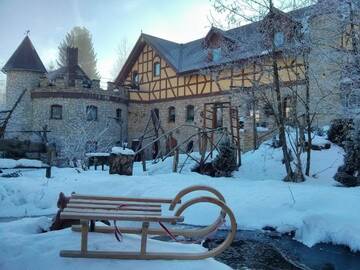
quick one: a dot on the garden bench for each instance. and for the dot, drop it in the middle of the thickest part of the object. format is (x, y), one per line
(89, 208)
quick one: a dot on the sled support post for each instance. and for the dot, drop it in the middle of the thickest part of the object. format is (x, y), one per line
(84, 235)
(144, 233)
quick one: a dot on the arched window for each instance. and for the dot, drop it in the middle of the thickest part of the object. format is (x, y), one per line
(91, 113)
(156, 69)
(190, 113)
(56, 112)
(171, 116)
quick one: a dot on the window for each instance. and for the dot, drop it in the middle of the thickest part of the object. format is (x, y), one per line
(171, 117)
(56, 112)
(91, 146)
(257, 115)
(190, 113)
(287, 107)
(218, 116)
(91, 113)
(135, 79)
(156, 69)
(118, 115)
(216, 54)
(279, 39)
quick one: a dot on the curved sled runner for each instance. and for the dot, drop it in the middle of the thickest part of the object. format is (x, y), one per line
(88, 209)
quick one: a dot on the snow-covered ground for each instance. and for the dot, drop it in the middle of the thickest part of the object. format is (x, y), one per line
(319, 210)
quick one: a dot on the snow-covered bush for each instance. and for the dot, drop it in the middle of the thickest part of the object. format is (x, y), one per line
(225, 162)
(339, 130)
(349, 173)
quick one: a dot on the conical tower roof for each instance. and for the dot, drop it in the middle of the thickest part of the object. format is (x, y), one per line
(25, 58)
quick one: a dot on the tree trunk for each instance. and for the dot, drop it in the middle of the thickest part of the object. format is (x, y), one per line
(281, 122)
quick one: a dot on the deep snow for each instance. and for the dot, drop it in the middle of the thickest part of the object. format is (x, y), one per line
(319, 210)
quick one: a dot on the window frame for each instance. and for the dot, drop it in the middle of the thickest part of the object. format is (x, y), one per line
(188, 108)
(135, 79)
(88, 114)
(155, 70)
(118, 115)
(52, 115)
(171, 114)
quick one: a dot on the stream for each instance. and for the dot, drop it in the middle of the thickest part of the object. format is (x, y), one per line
(269, 250)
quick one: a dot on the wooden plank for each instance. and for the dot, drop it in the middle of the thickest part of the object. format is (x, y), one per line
(114, 203)
(123, 199)
(84, 235)
(94, 216)
(144, 230)
(112, 212)
(113, 207)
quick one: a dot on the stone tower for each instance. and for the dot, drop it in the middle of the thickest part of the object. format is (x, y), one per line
(23, 71)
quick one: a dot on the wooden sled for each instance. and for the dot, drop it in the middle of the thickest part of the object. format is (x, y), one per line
(88, 209)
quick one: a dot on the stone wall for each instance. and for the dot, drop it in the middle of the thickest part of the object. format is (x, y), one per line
(139, 115)
(73, 134)
(16, 82)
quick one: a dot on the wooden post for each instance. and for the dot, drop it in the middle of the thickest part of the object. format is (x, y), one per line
(176, 160)
(143, 161)
(84, 235)
(49, 152)
(144, 232)
(48, 172)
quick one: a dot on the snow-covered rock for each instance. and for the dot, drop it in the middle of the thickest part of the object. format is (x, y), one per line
(122, 151)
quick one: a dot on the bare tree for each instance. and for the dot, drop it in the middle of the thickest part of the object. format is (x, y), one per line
(123, 50)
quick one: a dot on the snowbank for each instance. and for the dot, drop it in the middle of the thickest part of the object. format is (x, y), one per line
(318, 209)
(22, 245)
(11, 163)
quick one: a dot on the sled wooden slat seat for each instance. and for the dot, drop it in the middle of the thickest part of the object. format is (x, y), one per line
(114, 207)
(119, 216)
(88, 209)
(123, 199)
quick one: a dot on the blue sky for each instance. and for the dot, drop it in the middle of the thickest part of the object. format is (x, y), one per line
(109, 22)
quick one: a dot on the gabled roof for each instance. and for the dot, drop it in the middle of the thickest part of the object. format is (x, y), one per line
(25, 58)
(193, 56)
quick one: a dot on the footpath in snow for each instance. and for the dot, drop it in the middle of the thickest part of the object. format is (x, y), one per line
(318, 210)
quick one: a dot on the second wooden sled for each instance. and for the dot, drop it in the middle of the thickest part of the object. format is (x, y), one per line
(88, 209)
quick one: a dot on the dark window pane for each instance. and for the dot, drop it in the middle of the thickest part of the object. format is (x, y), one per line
(91, 113)
(118, 114)
(190, 113)
(56, 112)
(171, 114)
(156, 69)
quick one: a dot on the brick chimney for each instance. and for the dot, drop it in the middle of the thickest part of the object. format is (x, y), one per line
(71, 62)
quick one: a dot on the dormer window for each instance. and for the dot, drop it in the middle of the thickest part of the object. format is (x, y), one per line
(216, 54)
(135, 79)
(279, 39)
(156, 69)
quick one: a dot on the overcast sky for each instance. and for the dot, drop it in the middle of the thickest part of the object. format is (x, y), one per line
(109, 22)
